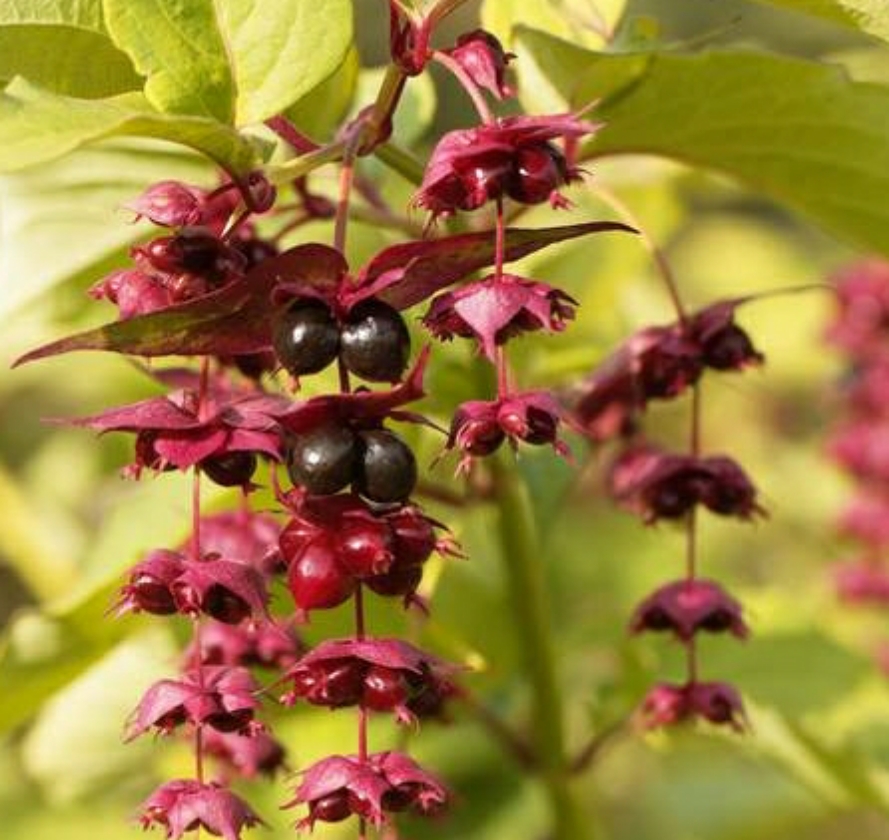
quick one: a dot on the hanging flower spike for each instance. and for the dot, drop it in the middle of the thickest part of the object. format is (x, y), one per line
(861, 325)
(480, 426)
(862, 448)
(862, 582)
(866, 518)
(513, 157)
(483, 58)
(221, 697)
(660, 485)
(655, 363)
(495, 309)
(667, 705)
(264, 643)
(686, 607)
(184, 805)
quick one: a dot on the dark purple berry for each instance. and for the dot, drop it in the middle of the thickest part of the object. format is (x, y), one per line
(324, 459)
(230, 721)
(306, 337)
(387, 470)
(730, 349)
(538, 170)
(315, 579)
(232, 469)
(374, 343)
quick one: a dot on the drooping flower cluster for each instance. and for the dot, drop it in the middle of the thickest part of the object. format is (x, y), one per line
(211, 287)
(660, 363)
(858, 441)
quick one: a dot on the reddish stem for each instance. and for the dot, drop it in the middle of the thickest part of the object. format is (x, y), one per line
(475, 94)
(499, 258)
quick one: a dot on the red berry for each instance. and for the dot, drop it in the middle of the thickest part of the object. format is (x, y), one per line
(375, 343)
(305, 336)
(365, 548)
(384, 689)
(537, 171)
(315, 578)
(340, 684)
(332, 808)
(414, 537)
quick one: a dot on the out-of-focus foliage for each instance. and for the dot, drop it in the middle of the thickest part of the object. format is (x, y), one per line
(685, 97)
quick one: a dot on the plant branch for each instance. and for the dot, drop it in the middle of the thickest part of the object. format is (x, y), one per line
(533, 631)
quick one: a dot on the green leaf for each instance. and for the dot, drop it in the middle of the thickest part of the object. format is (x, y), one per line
(37, 126)
(794, 131)
(319, 113)
(69, 212)
(581, 21)
(63, 46)
(238, 62)
(282, 50)
(870, 16)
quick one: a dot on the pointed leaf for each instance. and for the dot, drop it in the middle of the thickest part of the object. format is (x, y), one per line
(36, 126)
(796, 131)
(34, 34)
(870, 16)
(237, 62)
(405, 274)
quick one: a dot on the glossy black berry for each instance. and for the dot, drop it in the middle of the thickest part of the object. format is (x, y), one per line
(233, 469)
(324, 459)
(306, 337)
(387, 469)
(374, 343)
(537, 171)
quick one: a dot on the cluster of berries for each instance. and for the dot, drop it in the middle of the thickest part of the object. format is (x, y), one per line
(660, 363)
(860, 331)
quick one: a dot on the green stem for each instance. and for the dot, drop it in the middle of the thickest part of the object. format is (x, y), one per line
(401, 161)
(533, 629)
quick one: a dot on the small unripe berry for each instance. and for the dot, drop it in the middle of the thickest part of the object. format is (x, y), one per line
(231, 469)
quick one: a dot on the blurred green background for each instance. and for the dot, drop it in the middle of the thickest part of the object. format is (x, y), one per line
(815, 761)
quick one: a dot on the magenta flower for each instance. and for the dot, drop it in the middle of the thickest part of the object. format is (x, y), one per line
(243, 536)
(377, 674)
(483, 58)
(185, 805)
(220, 697)
(176, 204)
(134, 292)
(723, 344)
(861, 325)
(224, 589)
(480, 426)
(150, 584)
(339, 786)
(262, 642)
(862, 582)
(495, 309)
(685, 607)
(513, 157)
(180, 430)
(862, 447)
(667, 704)
(660, 485)
(866, 517)
(248, 756)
